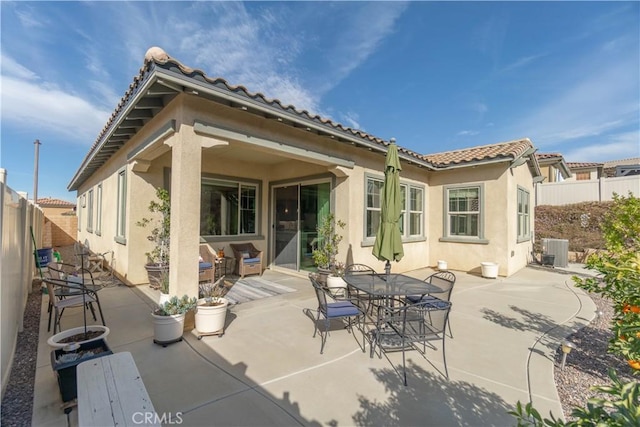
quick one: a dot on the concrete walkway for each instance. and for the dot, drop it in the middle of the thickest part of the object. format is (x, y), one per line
(267, 370)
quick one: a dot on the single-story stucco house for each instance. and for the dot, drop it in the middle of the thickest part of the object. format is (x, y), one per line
(243, 168)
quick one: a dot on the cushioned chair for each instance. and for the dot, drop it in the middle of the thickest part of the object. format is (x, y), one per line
(248, 259)
(207, 267)
(338, 309)
(442, 283)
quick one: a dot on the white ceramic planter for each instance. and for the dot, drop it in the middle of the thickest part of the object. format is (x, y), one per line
(54, 340)
(211, 319)
(337, 285)
(442, 265)
(167, 328)
(489, 270)
(163, 298)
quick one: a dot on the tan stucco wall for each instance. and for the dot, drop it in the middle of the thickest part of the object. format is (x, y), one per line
(500, 215)
(348, 195)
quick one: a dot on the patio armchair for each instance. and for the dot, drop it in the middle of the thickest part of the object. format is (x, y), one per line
(444, 282)
(248, 259)
(70, 293)
(401, 328)
(207, 265)
(337, 309)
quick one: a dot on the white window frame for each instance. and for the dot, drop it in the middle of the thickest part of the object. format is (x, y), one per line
(90, 211)
(121, 211)
(98, 229)
(446, 236)
(405, 212)
(240, 184)
(524, 215)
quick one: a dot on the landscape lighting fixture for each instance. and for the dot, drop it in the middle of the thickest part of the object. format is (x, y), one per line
(567, 346)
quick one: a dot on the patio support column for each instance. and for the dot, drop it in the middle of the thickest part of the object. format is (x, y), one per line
(186, 166)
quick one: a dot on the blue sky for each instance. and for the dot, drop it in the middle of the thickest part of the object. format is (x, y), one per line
(435, 75)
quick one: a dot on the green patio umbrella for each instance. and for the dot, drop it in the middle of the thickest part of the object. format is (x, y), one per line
(388, 244)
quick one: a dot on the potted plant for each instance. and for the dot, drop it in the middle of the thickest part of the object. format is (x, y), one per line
(211, 309)
(335, 281)
(158, 259)
(324, 254)
(168, 319)
(164, 287)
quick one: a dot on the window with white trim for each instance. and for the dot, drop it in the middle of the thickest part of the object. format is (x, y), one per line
(463, 212)
(228, 208)
(374, 206)
(99, 209)
(524, 224)
(121, 223)
(411, 215)
(90, 212)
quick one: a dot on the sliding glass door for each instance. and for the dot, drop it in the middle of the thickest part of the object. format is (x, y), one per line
(297, 210)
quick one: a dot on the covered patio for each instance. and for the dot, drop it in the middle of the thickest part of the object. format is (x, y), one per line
(267, 369)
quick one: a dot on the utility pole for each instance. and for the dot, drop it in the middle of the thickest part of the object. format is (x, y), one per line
(35, 172)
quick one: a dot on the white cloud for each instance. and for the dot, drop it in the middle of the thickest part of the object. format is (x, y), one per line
(28, 18)
(43, 106)
(352, 119)
(467, 133)
(603, 100)
(618, 146)
(10, 67)
(521, 62)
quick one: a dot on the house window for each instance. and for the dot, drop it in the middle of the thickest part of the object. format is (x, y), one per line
(524, 230)
(121, 224)
(583, 176)
(463, 213)
(374, 206)
(416, 206)
(90, 212)
(411, 214)
(99, 209)
(227, 208)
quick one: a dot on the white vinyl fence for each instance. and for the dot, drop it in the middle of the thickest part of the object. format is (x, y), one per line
(567, 192)
(17, 267)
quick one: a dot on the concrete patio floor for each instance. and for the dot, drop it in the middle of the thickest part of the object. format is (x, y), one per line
(267, 369)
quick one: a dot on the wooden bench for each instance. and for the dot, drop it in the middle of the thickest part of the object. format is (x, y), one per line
(111, 392)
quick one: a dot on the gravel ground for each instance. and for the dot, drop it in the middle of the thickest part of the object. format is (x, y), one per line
(588, 364)
(17, 402)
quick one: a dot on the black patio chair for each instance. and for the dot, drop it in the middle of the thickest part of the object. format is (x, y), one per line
(401, 328)
(66, 294)
(442, 283)
(337, 309)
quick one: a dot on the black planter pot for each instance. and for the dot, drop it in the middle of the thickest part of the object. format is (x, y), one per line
(155, 273)
(66, 371)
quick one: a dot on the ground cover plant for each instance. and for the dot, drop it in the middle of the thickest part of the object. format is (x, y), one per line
(618, 279)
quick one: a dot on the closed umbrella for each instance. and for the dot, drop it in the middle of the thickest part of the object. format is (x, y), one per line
(388, 244)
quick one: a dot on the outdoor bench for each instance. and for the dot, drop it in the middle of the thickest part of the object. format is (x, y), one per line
(111, 392)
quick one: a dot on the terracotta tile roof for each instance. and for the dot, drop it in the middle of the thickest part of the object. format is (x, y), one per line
(509, 150)
(581, 165)
(544, 156)
(55, 203)
(156, 58)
